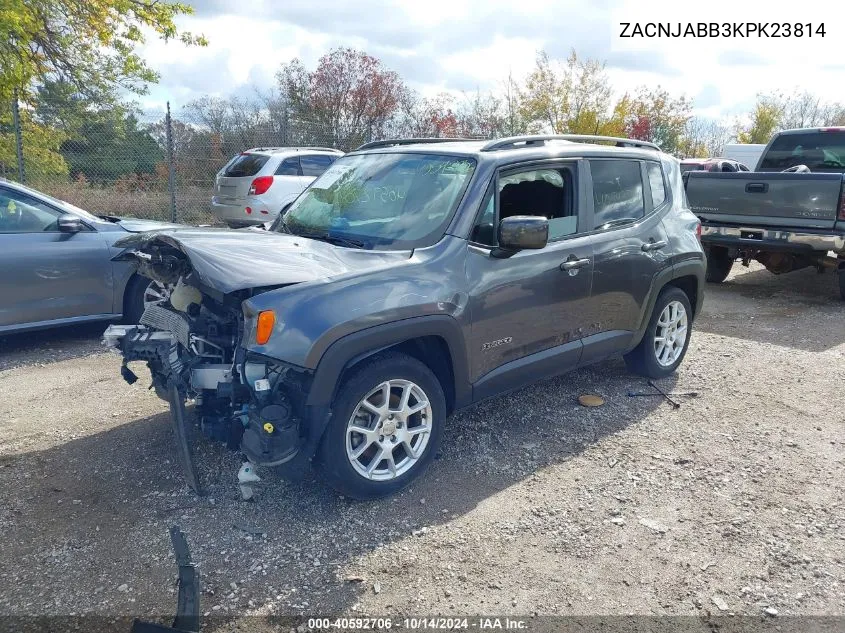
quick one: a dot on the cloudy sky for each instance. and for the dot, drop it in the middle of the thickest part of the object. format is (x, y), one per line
(467, 45)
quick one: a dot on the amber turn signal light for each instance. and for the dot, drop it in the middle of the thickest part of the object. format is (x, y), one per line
(266, 321)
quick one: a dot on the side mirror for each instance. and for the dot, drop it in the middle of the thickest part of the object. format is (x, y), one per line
(520, 232)
(69, 224)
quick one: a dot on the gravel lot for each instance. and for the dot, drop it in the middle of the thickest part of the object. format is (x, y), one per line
(734, 503)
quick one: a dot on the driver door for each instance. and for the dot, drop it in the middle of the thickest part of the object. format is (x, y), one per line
(529, 309)
(48, 275)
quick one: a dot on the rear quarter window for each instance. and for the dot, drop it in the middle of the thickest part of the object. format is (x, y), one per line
(245, 165)
(656, 182)
(315, 164)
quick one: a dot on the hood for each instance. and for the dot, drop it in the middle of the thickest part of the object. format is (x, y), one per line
(228, 260)
(135, 225)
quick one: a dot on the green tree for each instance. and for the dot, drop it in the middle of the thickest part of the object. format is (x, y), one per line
(90, 44)
(42, 157)
(574, 96)
(765, 120)
(99, 142)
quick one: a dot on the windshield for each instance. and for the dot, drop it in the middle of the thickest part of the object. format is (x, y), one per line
(820, 151)
(382, 200)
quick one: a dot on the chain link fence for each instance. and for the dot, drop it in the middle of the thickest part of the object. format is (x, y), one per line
(154, 164)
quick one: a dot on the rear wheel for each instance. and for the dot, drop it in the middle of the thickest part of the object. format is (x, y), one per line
(387, 419)
(666, 338)
(719, 264)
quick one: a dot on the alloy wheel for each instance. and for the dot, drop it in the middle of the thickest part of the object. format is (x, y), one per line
(389, 430)
(156, 293)
(670, 336)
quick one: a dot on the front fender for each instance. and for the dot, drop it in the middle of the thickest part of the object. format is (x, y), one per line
(356, 346)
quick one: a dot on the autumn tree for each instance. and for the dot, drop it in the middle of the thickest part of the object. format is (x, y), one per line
(766, 119)
(658, 117)
(703, 138)
(574, 96)
(91, 44)
(350, 94)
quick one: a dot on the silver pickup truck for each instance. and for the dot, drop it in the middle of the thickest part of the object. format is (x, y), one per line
(787, 214)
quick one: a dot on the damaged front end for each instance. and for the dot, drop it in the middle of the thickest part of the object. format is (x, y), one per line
(192, 344)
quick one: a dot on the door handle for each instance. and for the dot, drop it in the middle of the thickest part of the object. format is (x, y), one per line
(574, 264)
(757, 187)
(653, 246)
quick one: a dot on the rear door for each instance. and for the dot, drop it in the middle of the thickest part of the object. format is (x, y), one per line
(48, 275)
(629, 242)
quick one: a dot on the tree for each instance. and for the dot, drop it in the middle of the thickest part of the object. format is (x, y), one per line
(350, 94)
(42, 157)
(100, 142)
(570, 97)
(658, 117)
(90, 44)
(765, 120)
(704, 138)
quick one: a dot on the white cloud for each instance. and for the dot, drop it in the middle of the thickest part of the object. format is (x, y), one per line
(459, 45)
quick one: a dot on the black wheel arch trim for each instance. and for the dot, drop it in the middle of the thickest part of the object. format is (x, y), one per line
(688, 268)
(353, 348)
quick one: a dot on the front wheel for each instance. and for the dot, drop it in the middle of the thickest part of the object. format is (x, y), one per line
(666, 338)
(387, 419)
(140, 293)
(719, 264)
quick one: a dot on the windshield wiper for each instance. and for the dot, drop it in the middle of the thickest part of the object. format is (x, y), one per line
(337, 240)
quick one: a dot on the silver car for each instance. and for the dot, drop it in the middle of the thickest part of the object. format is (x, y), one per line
(56, 264)
(256, 184)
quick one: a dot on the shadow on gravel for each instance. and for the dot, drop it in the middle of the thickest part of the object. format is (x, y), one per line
(801, 309)
(49, 346)
(92, 513)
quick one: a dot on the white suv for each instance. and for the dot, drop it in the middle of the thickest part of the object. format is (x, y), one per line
(254, 186)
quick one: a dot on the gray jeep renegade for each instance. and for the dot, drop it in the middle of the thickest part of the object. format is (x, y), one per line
(413, 278)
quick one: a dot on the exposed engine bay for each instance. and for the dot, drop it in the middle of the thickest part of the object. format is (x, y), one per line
(191, 344)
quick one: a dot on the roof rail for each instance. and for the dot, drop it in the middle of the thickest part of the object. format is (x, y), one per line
(406, 141)
(321, 149)
(540, 139)
(292, 147)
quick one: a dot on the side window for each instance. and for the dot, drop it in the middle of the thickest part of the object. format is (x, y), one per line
(315, 164)
(289, 167)
(617, 191)
(655, 181)
(22, 214)
(546, 193)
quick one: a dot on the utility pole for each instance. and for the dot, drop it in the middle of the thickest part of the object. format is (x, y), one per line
(16, 118)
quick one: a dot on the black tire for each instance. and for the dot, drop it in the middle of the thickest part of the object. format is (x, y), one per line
(719, 264)
(133, 299)
(337, 467)
(642, 359)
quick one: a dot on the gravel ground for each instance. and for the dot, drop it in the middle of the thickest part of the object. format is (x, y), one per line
(733, 503)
